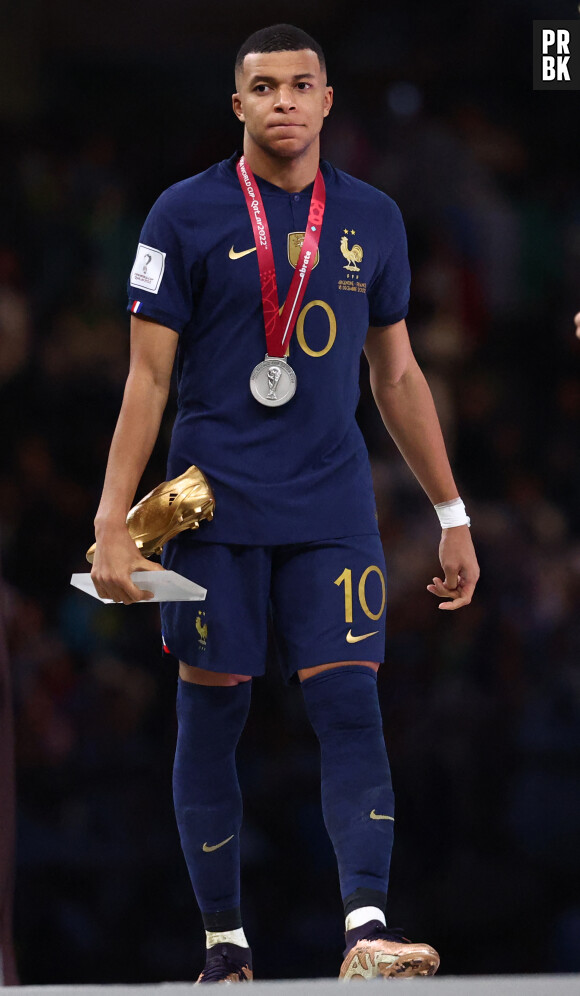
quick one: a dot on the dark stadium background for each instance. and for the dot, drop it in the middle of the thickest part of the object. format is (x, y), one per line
(101, 107)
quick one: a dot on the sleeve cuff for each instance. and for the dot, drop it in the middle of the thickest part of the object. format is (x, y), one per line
(380, 320)
(143, 309)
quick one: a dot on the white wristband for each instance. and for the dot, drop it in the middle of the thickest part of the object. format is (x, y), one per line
(452, 513)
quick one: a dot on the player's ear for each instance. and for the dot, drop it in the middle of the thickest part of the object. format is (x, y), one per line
(237, 106)
(328, 99)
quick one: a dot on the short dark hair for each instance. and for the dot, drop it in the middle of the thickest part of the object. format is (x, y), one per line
(279, 38)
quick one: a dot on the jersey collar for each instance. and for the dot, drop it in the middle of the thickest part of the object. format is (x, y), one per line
(229, 167)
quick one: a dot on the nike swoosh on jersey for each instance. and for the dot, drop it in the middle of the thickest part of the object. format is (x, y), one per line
(214, 847)
(238, 255)
(356, 639)
(379, 816)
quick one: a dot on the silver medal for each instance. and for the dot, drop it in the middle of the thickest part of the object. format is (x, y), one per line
(273, 381)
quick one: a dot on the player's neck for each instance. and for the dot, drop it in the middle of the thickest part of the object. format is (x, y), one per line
(292, 175)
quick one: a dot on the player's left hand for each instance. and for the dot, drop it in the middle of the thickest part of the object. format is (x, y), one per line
(461, 569)
(577, 324)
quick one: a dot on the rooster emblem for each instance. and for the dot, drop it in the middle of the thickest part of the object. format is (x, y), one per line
(201, 629)
(353, 255)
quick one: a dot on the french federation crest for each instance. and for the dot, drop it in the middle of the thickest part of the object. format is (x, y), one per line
(354, 254)
(201, 628)
(295, 241)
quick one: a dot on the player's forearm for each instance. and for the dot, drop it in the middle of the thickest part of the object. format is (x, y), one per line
(408, 411)
(133, 441)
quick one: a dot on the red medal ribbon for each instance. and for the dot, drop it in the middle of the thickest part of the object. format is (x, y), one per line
(279, 327)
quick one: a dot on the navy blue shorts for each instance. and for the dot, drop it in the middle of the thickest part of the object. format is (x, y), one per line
(325, 601)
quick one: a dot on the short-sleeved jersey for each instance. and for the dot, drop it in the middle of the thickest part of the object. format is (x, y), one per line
(298, 472)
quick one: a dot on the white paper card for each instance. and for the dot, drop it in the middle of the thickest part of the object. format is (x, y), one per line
(167, 586)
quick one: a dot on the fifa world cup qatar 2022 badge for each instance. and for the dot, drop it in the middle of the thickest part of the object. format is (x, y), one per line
(273, 381)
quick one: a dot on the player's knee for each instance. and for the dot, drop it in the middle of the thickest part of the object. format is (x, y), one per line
(201, 676)
(210, 721)
(342, 700)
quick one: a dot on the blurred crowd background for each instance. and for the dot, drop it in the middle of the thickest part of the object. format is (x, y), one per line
(102, 107)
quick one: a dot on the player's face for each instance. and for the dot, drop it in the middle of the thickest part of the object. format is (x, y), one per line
(282, 100)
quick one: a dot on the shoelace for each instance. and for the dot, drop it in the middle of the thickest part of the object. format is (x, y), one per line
(386, 934)
(220, 967)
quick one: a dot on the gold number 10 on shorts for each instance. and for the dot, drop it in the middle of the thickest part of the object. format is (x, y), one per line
(346, 579)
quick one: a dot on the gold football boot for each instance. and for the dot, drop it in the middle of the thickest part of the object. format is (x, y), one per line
(384, 953)
(167, 510)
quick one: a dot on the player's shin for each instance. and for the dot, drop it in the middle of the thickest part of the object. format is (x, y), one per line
(357, 796)
(208, 802)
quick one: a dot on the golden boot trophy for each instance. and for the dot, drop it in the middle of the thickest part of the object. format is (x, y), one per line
(167, 510)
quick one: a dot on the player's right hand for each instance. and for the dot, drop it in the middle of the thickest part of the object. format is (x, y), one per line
(577, 324)
(116, 557)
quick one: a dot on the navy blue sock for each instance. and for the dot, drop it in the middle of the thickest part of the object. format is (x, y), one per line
(207, 797)
(357, 796)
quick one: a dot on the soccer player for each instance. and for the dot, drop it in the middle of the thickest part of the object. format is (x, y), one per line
(295, 530)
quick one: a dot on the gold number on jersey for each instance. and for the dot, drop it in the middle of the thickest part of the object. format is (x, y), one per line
(331, 328)
(346, 578)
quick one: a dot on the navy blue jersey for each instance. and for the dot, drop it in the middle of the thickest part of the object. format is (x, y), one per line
(298, 472)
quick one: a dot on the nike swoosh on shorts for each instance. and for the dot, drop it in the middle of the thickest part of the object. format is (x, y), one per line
(356, 639)
(213, 847)
(238, 255)
(379, 816)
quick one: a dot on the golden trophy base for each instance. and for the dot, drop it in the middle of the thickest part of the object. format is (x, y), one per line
(167, 510)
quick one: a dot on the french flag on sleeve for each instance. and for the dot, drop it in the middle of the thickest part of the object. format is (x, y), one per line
(135, 307)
